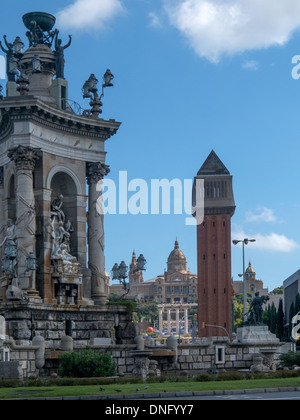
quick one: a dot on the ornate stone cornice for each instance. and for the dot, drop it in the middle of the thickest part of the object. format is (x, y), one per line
(95, 172)
(30, 108)
(24, 157)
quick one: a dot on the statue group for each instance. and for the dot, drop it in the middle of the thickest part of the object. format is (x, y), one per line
(36, 35)
(255, 313)
(61, 229)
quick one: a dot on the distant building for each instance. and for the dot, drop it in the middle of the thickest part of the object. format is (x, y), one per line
(291, 286)
(252, 284)
(175, 291)
(175, 286)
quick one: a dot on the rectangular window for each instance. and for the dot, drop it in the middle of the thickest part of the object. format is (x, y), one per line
(220, 354)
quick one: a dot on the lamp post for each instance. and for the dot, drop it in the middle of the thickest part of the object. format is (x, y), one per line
(90, 90)
(244, 241)
(119, 272)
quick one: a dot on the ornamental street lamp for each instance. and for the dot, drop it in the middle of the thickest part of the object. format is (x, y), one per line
(244, 242)
(141, 264)
(90, 90)
(119, 272)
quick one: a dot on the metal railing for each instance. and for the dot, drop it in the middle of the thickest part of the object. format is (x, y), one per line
(71, 106)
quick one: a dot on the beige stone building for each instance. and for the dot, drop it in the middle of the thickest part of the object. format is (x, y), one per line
(177, 285)
(252, 283)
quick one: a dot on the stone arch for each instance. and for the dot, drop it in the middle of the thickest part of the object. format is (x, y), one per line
(62, 180)
(67, 172)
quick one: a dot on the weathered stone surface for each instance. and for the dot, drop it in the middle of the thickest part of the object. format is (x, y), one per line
(256, 335)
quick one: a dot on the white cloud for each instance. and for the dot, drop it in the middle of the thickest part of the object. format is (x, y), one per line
(250, 65)
(273, 242)
(264, 215)
(217, 27)
(88, 14)
(155, 21)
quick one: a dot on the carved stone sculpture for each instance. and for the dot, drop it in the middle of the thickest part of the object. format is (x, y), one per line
(60, 233)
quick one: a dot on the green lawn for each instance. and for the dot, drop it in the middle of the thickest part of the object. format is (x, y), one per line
(86, 390)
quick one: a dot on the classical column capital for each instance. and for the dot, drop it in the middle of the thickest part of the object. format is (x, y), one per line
(96, 172)
(24, 157)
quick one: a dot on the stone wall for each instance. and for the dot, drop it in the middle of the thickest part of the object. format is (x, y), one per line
(52, 322)
(214, 354)
(17, 362)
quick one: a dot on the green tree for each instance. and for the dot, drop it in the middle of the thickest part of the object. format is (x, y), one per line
(278, 291)
(291, 314)
(273, 319)
(147, 311)
(280, 321)
(238, 309)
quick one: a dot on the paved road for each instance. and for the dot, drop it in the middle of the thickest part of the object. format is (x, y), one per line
(247, 395)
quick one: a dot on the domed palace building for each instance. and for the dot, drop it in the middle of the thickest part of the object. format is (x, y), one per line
(175, 290)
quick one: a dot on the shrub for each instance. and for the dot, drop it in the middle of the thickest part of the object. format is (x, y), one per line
(290, 359)
(204, 377)
(86, 364)
(230, 376)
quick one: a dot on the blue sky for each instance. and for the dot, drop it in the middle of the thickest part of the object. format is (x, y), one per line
(192, 76)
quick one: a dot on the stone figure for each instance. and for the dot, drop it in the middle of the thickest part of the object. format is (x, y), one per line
(56, 208)
(11, 60)
(10, 250)
(255, 313)
(59, 55)
(10, 232)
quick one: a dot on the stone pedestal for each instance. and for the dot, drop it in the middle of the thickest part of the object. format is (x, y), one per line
(256, 335)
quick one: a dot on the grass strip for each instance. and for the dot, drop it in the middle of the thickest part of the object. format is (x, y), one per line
(111, 389)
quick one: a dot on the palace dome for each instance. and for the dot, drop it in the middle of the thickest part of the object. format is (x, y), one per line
(176, 260)
(250, 269)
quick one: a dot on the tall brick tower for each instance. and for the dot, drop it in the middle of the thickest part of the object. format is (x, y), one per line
(214, 248)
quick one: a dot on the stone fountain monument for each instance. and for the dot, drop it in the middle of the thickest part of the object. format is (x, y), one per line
(53, 279)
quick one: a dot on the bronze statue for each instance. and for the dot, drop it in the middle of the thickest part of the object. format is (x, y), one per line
(255, 313)
(59, 56)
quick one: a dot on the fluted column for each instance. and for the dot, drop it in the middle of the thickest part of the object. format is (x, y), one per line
(177, 321)
(186, 321)
(25, 159)
(169, 321)
(160, 321)
(96, 260)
